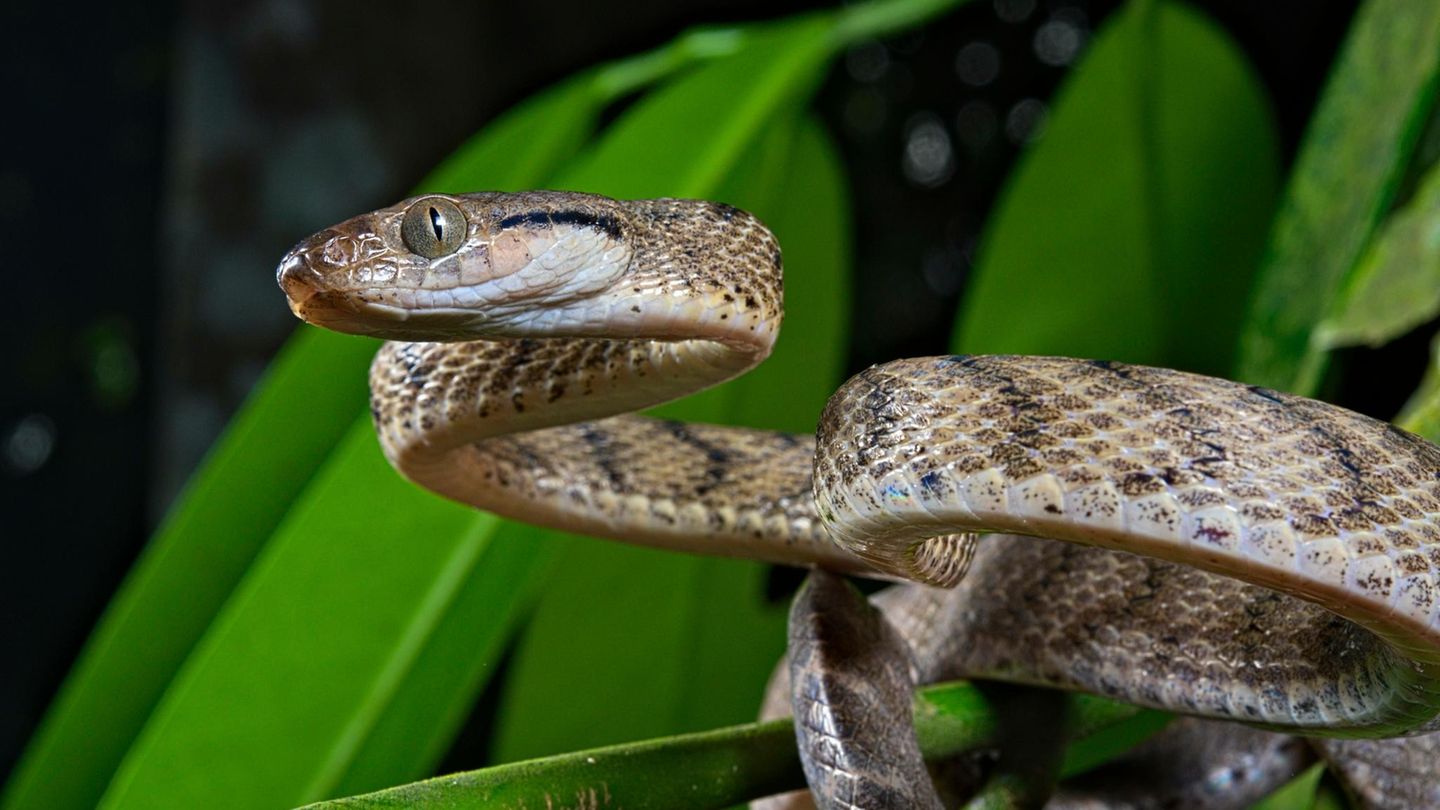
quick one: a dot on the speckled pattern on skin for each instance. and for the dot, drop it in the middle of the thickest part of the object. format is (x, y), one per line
(1226, 649)
(519, 354)
(1290, 493)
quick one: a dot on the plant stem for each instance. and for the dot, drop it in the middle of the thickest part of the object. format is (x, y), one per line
(711, 769)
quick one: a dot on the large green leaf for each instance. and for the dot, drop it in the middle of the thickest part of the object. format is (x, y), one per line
(455, 654)
(676, 643)
(1355, 153)
(1396, 285)
(528, 143)
(1131, 229)
(311, 648)
(706, 119)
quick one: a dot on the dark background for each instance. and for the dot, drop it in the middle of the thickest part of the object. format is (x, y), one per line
(160, 157)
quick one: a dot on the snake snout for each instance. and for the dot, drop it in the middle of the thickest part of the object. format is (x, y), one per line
(297, 279)
(309, 289)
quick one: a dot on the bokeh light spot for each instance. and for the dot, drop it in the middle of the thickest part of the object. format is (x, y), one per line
(1058, 41)
(929, 159)
(29, 444)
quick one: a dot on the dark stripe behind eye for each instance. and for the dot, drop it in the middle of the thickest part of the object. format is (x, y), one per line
(545, 219)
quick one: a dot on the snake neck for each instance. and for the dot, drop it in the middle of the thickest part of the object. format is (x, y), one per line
(529, 416)
(430, 399)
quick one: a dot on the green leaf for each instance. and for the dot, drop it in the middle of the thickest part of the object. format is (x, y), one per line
(671, 642)
(624, 663)
(1354, 156)
(313, 647)
(858, 22)
(1396, 285)
(705, 119)
(529, 142)
(1297, 794)
(1111, 740)
(696, 771)
(465, 642)
(1421, 415)
(1131, 229)
(523, 146)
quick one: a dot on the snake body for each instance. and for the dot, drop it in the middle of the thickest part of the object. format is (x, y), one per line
(1290, 549)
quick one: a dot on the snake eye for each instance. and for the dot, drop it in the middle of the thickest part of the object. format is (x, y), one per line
(433, 227)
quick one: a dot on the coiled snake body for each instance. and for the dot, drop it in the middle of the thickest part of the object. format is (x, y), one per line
(1290, 549)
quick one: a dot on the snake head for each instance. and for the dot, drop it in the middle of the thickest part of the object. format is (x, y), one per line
(457, 267)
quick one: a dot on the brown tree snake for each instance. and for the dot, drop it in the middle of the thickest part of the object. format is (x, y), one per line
(1216, 549)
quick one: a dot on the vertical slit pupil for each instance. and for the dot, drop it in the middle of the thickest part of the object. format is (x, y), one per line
(437, 223)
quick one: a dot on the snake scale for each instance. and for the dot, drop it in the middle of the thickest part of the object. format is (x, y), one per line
(1217, 549)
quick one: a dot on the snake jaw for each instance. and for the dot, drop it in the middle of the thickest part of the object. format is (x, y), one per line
(291, 276)
(307, 277)
(306, 290)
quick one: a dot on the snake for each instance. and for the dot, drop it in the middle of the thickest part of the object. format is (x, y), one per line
(1217, 549)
